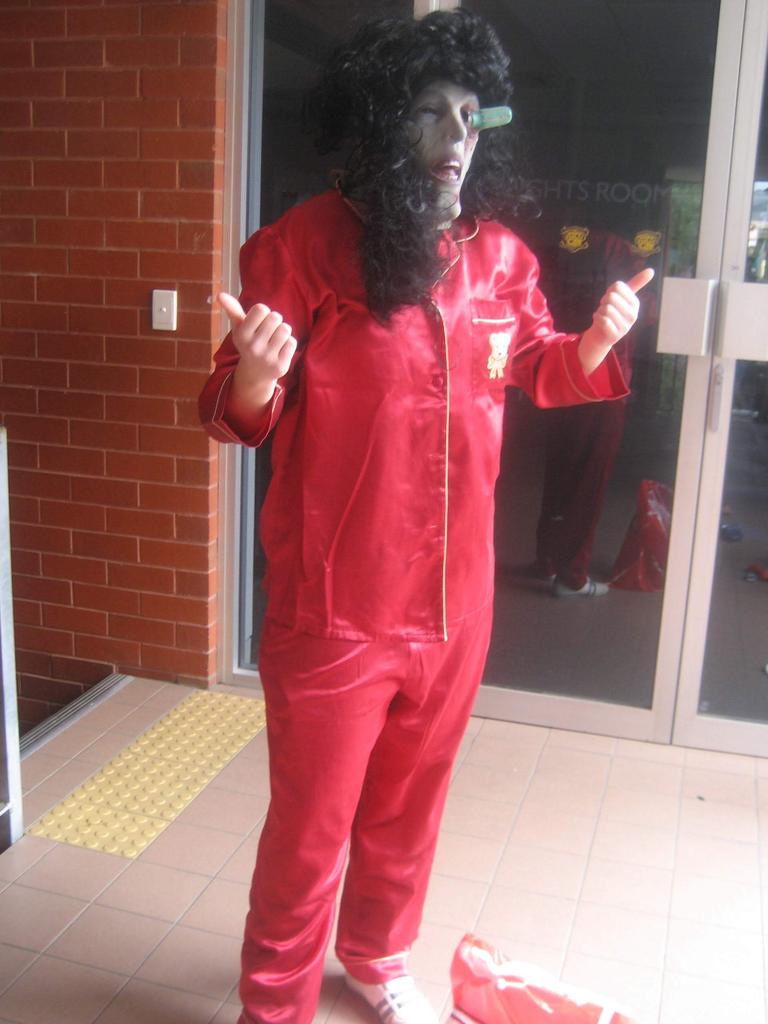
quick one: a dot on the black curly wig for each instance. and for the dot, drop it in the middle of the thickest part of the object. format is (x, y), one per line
(362, 102)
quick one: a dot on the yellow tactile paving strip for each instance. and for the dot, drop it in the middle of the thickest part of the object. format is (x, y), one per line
(127, 804)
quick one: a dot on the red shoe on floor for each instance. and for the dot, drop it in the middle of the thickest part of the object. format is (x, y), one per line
(489, 989)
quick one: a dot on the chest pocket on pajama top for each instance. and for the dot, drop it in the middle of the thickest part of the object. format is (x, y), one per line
(494, 327)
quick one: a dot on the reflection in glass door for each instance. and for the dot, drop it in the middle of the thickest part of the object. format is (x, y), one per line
(615, 102)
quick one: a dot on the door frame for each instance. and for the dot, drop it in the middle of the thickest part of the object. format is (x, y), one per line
(735, 106)
(692, 728)
(242, 164)
(658, 722)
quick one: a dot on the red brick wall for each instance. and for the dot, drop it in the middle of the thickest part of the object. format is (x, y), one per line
(111, 174)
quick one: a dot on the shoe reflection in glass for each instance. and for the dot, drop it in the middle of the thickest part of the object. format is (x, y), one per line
(590, 589)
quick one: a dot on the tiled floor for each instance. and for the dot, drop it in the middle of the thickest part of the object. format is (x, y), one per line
(640, 871)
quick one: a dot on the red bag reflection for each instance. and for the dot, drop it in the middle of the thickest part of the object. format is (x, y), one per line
(487, 989)
(642, 561)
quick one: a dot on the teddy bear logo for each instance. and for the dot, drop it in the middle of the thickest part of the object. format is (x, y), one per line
(647, 243)
(574, 238)
(497, 360)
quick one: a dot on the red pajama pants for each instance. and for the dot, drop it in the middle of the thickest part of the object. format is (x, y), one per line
(362, 737)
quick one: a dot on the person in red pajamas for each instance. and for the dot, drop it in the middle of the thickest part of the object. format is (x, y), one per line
(377, 328)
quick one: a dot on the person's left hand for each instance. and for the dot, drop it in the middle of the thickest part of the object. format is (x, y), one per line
(613, 318)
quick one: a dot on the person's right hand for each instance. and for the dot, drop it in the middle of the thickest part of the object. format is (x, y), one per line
(261, 336)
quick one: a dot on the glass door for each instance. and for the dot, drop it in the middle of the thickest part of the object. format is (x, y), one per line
(723, 701)
(290, 42)
(629, 113)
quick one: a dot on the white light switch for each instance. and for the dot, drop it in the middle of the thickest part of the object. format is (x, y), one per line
(163, 310)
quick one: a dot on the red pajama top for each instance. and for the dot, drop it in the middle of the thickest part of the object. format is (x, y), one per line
(378, 521)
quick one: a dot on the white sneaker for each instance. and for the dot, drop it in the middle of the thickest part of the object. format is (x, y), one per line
(398, 1001)
(590, 589)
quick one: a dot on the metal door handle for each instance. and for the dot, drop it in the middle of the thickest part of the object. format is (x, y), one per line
(685, 319)
(744, 321)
